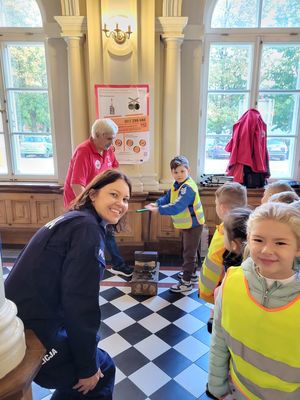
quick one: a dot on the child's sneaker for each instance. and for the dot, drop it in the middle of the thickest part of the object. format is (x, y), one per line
(194, 277)
(208, 394)
(181, 287)
(210, 324)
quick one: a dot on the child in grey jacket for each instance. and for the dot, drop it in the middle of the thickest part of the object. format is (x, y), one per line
(254, 347)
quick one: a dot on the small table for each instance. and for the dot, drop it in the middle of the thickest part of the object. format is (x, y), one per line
(16, 385)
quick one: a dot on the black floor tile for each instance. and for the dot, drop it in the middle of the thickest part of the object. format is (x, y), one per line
(203, 335)
(172, 362)
(171, 313)
(111, 293)
(171, 391)
(126, 390)
(130, 361)
(171, 296)
(171, 334)
(138, 312)
(202, 313)
(134, 333)
(105, 331)
(203, 361)
(108, 310)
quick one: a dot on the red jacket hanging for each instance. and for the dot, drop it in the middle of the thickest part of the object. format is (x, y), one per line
(248, 146)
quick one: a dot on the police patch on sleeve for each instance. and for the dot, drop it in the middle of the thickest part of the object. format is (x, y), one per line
(183, 191)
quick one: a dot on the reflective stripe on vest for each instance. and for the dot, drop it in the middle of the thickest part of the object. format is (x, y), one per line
(183, 220)
(212, 268)
(265, 351)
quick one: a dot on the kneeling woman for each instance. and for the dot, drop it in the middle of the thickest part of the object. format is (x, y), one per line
(55, 285)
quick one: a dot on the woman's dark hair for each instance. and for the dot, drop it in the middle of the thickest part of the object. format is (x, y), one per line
(235, 223)
(83, 200)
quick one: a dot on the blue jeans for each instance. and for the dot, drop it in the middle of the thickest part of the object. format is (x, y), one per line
(112, 248)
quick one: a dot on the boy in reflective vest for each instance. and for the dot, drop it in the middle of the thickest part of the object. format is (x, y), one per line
(182, 202)
(257, 313)
(228, 196)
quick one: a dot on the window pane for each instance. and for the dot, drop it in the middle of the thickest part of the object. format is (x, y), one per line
(280, 154)
(229, 67)
(223, 110)
(27, 66)
(3, 160)
(33, 154)
(216, 158)
(280, 67)
(235, 14)
(279, 111)
(280, 13)
(18, 13)
(29, 111)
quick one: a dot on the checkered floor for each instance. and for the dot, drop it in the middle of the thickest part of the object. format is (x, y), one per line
(160, 344)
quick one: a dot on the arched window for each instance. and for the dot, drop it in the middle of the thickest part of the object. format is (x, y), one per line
(253, 61)
(26, 149)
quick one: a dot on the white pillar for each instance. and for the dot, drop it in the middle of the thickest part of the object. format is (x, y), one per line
(172, 35)
(12, 339)
(73, 28)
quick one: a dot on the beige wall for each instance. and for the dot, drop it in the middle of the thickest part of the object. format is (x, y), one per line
(141, 60)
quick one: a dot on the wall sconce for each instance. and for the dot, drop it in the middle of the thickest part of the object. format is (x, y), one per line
(117, 34)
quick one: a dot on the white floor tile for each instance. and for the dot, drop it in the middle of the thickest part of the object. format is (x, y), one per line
(152, 347)
(119, 321)
(115, 278)
(149, 378)
(191, 348)
(187, 304)
(193, 379)
(154, 322)
(114, 344)
(155, 303)
(168, 272)
(189, 324)
(124, 302)
(168, 279)
(119, 376)
(102, 301)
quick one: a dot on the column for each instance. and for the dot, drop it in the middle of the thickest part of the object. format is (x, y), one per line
(73, 28)
(12, 339)
(172, 35)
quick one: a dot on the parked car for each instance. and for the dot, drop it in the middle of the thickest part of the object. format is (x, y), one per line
(36, 146)
(217, 151)
(277, 149)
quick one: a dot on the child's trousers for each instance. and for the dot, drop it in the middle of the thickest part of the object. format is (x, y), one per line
(191, 239)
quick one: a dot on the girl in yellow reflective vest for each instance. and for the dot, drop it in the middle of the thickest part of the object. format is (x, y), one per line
(257, 313)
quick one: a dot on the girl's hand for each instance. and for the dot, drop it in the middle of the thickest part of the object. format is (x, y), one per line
(84, 385)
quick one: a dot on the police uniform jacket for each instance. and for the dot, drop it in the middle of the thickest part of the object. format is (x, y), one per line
(55, 285)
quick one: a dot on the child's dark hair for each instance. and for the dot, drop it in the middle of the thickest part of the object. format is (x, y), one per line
(179, 160)
(235, 223)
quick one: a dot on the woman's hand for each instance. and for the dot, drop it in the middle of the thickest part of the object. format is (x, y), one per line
(152, 207)
(84, 385)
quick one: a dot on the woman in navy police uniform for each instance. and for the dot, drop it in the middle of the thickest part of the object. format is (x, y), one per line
(55, 285)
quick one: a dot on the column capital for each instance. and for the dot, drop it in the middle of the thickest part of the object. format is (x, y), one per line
(172, 27)
(72, 26)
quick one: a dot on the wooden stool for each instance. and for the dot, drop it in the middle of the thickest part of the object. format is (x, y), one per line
(16, 385)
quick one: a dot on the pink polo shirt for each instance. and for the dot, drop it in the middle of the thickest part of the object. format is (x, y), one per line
(85, 164)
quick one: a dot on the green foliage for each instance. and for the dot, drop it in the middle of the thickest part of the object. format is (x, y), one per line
(16, 13)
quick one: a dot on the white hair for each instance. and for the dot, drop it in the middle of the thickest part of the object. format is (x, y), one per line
(104, 126)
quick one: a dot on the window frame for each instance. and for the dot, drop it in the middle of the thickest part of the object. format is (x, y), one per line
(25, 36)
(257, 37)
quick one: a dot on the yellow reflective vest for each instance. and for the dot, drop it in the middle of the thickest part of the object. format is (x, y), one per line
(263, 342)
(183, 220)
(212, 271)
